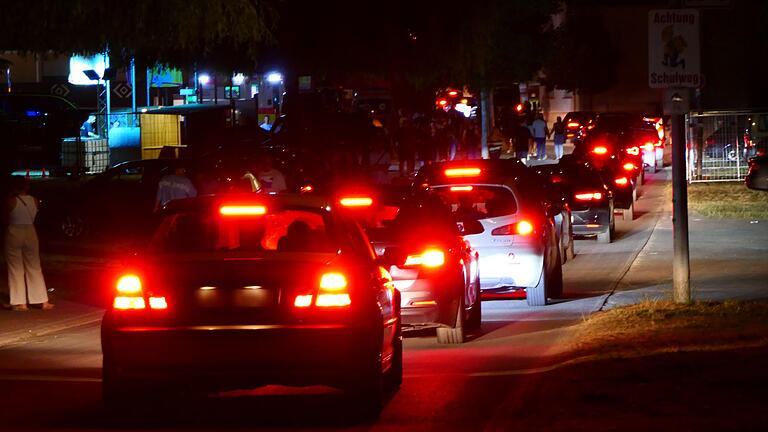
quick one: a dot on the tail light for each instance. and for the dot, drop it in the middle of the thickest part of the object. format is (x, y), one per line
(621, 181)
(629, 166)
(462, 172)
(649, 146)
(332, 293)
(589, 196)
(431, 258)
(358, 201)
(461, 188)
(522, 227)
(130, 295)
(519, 107)
(600, 150)
(573, 125)
(307, 189)
(242, 210)
(634, 150)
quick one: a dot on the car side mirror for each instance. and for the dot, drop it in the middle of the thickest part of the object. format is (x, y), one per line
(470, 227)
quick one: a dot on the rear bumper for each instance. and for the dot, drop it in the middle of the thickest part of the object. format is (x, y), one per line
(231, 357)
(428, 302)
(507, 267)
(591, 221)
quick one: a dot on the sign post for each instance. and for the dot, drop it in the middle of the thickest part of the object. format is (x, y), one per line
(674, 65)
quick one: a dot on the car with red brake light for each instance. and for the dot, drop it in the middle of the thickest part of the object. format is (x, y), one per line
(241, 291)
(590, 200)
(506, 217)
(433, 267)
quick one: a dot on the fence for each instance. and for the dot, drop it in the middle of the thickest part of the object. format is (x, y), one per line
(720, 143)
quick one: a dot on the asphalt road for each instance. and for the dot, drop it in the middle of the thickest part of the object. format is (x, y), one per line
(53, 382)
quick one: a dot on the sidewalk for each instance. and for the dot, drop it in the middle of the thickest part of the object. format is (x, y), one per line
(18, 326)
(728, 261)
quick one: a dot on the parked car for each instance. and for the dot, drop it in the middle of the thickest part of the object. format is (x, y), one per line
(757, 176)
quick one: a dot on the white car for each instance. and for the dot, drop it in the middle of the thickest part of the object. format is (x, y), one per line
(507, 219)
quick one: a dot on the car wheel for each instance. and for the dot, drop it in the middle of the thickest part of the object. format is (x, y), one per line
(629, 214)
(570, 252)
(556, 283)
(476, 313)
(537, 295)
(455, 334)
(605, 237)
(394, 376)
(366, 394)
(72, 226)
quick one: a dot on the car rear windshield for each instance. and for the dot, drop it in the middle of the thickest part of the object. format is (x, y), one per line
(582, 176)
(477, 202)
(394, 222)
(207, 232)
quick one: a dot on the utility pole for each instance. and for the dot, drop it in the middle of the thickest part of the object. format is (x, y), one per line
(485, 118)
(681, 273)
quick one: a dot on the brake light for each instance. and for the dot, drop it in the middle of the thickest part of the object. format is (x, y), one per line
(453, 93)
(307, 189)
(129, 284)
(125, 303)
(589, 196)
(519, 107)
(131, 295)
(442, 102)
(158, 303)
(629, 166)
(244, 210)
(522, 227)
(333, 281)
(634, 150)
(461, 188)
(600, 150)
(333, 300)
(429, 258)
(303, 301)
(356, 201)
(621, 181)
(462, 172)
(573, 124)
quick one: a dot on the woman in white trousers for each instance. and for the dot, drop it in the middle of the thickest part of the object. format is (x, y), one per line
(22, 253)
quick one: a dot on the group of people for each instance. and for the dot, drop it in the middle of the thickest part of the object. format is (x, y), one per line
(444, 135)
(525, 139)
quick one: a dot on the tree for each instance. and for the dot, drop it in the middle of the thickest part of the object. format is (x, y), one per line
(582, 56)
(230, 33)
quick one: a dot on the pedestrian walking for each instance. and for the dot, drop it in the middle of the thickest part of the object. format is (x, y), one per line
(174, 186)
(521, 137)
(539, 131)
(558, 131)
(472, 142)
(26, 284)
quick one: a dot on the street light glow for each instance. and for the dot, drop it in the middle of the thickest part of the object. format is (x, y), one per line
(238, 79)
(204, 79)
(274, 77)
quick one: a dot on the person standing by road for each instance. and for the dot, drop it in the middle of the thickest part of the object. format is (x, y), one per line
(521, 136)
(539, 131)
(174, 186)
(558, 130)
(22, 251)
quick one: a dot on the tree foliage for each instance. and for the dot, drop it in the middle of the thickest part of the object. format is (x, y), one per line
(582, 56)
(178, 32)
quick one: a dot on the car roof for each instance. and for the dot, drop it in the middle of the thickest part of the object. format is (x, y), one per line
(494, 171)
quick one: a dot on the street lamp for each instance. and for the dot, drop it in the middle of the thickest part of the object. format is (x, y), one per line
(274, 77)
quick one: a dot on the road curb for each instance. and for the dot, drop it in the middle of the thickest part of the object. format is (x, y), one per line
(54, 327)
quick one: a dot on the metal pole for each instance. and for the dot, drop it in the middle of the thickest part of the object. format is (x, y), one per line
(485, 118)
(133, 90)
(149, 83)
(681, 273)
